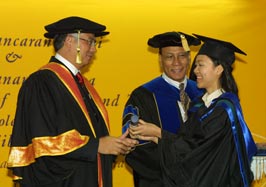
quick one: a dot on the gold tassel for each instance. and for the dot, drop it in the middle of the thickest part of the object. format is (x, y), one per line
(78, 58)
(184, 42)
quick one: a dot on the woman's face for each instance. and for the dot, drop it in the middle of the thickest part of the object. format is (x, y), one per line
(207, 74)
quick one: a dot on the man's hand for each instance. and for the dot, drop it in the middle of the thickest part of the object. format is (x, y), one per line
(116, 145)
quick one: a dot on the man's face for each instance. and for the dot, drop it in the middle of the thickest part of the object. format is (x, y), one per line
(87, 48)
(174, 61)
(85, 44)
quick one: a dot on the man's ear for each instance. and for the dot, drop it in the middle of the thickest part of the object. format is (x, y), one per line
(68, 40)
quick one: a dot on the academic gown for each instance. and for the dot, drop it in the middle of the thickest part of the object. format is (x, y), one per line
(54, 144)
(205, 153)
(155, 102)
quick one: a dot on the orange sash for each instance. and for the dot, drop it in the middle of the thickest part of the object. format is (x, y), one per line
(66, 77)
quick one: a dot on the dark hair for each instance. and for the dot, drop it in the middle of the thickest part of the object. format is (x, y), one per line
(160, 50)
(227, 80)
(192, 75)
(59, 41)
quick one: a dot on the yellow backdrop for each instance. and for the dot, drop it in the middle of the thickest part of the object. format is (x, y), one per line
(123, 60)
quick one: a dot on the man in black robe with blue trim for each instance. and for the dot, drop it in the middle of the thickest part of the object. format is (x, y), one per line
(158, 101)
(215, 146)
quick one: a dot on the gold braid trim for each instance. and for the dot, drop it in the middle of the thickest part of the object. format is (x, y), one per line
(15, 178)
(98, 101)
(46, 146)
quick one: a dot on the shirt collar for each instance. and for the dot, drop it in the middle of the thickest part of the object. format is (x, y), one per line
(208, 98)
(173, 82)
(64, 61)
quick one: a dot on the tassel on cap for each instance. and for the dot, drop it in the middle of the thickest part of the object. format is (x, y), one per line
(184, 42)
(78, 58)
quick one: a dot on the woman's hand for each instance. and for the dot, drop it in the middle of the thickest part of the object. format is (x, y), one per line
(145, 131)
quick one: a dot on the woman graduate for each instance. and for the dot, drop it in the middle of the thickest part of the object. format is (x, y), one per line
(214, 147)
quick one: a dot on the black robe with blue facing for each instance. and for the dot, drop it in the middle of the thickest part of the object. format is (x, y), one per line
(155, 102)
(213, 148)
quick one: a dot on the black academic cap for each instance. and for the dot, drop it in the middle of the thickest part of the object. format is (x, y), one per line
(218, 49)
(173, 39)
(73, 25)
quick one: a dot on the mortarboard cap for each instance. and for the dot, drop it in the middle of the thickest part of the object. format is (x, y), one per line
(173, 39)
(73, 25)
(218, 49)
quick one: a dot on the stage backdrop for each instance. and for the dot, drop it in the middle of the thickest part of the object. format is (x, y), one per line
(123, 60)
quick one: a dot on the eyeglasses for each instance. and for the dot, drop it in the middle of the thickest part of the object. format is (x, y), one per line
(91, 42)
(171, 57)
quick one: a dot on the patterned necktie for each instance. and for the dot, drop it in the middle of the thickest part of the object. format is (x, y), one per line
(184, 98)
(80, 78)
(82, 84)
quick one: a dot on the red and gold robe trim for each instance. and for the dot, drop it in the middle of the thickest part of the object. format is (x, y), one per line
(66, 77)
(46, 146)
(98, 101)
